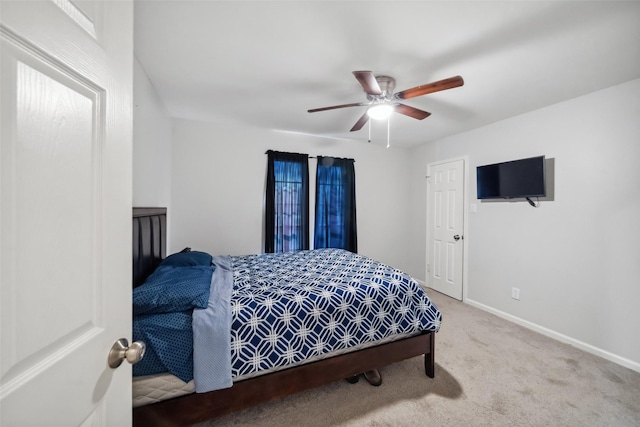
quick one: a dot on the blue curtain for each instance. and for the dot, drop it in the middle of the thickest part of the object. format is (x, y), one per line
(335, 222)
(287, 202)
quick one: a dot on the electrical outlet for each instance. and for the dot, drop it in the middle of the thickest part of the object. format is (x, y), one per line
(515, 293)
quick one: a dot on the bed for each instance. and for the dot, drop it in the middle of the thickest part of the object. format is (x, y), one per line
(257, 379)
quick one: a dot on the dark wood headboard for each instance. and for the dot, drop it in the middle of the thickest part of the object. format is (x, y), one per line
(149, 241)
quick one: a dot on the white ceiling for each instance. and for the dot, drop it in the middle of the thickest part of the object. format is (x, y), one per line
(265, 63)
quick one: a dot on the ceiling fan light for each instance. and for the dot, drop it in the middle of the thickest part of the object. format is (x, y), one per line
(380, 111)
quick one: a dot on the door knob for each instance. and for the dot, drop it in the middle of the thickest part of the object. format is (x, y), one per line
(457, 237)
(122, 350)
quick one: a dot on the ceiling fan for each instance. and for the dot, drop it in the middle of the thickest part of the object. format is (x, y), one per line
(381, 101)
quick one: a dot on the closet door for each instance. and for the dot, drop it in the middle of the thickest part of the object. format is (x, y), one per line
(445, 228)
(65, 213)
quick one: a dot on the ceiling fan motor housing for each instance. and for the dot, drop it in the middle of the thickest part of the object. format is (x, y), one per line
(387, 85)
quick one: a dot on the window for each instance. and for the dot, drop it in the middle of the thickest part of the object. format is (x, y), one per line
(287, 202)
(335, 222)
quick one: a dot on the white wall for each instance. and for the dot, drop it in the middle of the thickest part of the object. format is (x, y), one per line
(575, 259)
(219, 182)
(151, 144)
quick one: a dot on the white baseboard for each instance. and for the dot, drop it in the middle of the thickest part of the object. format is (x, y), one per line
(627, 363)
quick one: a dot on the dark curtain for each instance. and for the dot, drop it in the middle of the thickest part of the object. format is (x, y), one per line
(287, 202)
(335, 223)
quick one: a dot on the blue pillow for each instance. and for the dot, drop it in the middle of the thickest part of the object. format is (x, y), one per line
(187, 259)
(173, 289)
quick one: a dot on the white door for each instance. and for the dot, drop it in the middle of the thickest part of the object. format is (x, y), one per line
(445, 214)
(65, 213)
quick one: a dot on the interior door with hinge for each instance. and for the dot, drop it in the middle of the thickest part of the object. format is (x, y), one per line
(445, 227)
(65, 215)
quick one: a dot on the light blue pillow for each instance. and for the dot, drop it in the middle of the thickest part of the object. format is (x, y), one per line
(173, 289)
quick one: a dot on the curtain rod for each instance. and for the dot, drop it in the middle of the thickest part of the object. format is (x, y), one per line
(315, 157)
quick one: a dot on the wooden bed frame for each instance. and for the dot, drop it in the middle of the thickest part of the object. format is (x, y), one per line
(149, 247)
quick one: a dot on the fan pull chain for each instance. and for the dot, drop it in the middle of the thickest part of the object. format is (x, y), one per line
(369, 130)
(388, 131)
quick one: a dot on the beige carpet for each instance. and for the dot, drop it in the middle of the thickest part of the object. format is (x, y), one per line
(489, 372)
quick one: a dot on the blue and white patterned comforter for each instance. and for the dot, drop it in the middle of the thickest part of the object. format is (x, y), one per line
(270, 311)
(292, 307)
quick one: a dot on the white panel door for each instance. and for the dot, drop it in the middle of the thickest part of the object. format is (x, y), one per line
(445, 213)
(65, 218)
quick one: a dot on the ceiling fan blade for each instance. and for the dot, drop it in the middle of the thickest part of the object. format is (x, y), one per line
(368, 82)
(333, 107)
(411, 112)
(361, 121)
(431, 87)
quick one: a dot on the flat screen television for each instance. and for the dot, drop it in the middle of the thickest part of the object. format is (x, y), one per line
(522, 178)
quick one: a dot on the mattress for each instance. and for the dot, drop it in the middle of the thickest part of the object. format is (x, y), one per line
(156, 388)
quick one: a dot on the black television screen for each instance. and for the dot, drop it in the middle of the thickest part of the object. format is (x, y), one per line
(517, 178)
